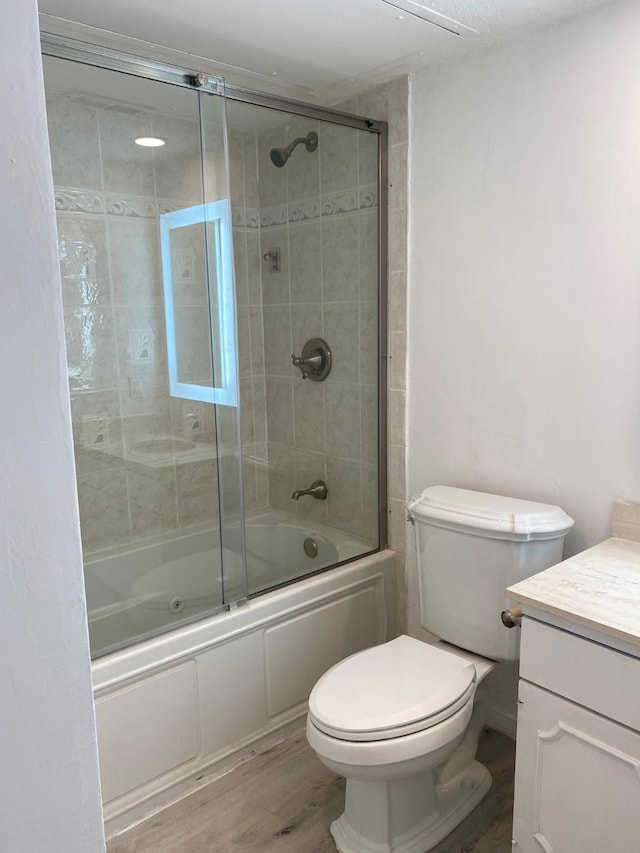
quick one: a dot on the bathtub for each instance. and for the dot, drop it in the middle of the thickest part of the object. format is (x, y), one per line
(184, 706)
(137, 592)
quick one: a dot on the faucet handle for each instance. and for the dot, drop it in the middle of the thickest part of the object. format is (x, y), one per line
(319, 490)
(305, 364)
(314, 361)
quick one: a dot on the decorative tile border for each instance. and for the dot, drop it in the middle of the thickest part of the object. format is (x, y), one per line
(276, 215)
(245, 217)
(69, 200)
(301, 211)
(345, 201)
(166, 205)
(140, 207)
(133, 206)
(369, 197)
(332, 204)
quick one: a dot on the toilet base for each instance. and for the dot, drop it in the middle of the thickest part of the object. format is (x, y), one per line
(407, 815)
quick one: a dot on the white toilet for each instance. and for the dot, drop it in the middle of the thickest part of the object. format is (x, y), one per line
(401, 720)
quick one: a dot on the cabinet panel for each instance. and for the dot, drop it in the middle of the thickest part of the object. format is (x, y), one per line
(600, 678)
(577, 779)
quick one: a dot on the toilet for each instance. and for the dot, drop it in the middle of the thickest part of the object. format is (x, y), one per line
(401, 721)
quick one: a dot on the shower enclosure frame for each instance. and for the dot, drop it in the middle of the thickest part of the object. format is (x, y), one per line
(64, 47)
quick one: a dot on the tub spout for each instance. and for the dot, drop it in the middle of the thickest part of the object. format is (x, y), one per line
(317, 490)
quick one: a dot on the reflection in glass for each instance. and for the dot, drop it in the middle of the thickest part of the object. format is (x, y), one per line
(194, 241)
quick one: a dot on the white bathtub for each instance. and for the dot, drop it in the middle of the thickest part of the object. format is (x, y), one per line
(177, 709)
(137, 592)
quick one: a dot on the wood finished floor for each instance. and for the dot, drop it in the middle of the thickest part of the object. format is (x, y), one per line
(284, 800)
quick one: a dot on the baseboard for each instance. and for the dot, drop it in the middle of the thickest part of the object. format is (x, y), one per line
(502, 722)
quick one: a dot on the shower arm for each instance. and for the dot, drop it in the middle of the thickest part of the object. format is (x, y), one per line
(295, 142)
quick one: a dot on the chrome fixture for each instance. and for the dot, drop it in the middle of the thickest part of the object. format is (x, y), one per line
(176, 604)
(315, 361)
(512, 618)
(272, 257)
(310, 548)
(317, 489)
(279, 156)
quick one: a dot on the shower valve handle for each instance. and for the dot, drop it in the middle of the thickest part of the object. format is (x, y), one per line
(310, 365)
(314, 361)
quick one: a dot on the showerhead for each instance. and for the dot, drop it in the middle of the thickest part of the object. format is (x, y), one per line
(279, 156)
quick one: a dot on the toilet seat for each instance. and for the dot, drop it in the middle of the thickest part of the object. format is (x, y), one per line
(395, 689)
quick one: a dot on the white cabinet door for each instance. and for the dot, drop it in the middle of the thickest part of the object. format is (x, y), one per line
(577, 779)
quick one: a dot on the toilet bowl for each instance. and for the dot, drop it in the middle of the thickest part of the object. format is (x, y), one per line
(400, 722)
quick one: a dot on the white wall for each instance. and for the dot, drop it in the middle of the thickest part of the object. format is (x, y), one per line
(524, 298)
(524, 293)
(49, 790)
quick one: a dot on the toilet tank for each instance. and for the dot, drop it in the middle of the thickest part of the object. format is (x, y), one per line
(470, 546)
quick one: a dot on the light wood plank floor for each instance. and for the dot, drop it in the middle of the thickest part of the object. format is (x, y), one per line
(284, 800)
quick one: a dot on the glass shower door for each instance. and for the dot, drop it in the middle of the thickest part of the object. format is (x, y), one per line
(140, 174)
(307, 225)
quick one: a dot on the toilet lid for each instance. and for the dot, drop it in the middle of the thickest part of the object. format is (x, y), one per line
(398, 688)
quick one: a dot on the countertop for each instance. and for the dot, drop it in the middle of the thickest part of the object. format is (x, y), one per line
(598, 588)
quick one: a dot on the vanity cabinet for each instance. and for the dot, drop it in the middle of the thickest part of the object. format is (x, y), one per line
(577, 787)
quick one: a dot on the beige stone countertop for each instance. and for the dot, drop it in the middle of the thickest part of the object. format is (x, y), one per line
(598, 588)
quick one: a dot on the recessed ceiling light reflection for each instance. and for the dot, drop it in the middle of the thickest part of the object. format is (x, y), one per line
(150, 141)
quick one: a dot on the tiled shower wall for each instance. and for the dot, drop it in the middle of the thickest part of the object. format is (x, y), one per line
(317, 210)
(243, 182)
(320, 213)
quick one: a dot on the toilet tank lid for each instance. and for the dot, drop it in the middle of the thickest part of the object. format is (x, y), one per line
(509, 518)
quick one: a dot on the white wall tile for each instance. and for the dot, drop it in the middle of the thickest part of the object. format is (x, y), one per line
(309, 414)
(275, 285)
(398, 165)
(75, 151)
(338, 148)
(341, 331)
(280, 418)
(126, 167)
(343, 420)
(305, 245)
(277, 339)
(340, 270)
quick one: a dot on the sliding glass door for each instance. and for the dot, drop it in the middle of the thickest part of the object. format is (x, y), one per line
(141, 188)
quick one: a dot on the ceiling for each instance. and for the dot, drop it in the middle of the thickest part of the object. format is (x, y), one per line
(320, 50)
